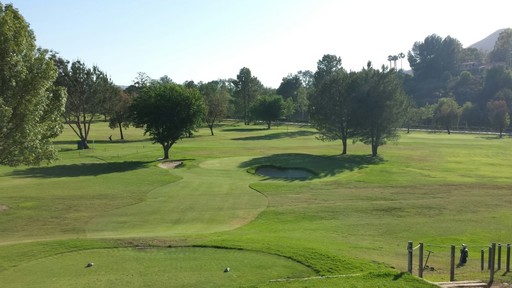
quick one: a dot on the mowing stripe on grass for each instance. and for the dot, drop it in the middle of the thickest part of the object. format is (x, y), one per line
(208, 199)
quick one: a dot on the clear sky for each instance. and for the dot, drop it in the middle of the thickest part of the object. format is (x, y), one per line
(204, 40)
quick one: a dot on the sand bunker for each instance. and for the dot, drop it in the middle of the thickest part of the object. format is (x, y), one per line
(286, 173)
(170, 164)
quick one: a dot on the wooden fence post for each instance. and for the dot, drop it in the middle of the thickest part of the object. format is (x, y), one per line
(452, 263)
(499, 258)
(508, 258)
(482, 260)
(492, 256)
(489, 258)
(420, 261)
(409, 257)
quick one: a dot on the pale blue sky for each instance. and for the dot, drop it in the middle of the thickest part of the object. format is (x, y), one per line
(204, 40)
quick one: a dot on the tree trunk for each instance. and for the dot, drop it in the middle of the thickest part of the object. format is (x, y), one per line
(166, 153)
(268, 124)
(121, 130)
(375, 146)
(211, 128)
(344, 144)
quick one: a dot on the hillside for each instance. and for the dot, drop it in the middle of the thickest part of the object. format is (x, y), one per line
(487, 44)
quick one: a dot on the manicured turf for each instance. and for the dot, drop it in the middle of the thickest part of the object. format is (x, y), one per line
(160, 267)
(354, 216)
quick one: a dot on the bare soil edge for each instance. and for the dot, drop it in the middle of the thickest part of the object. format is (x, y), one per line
(170, 164)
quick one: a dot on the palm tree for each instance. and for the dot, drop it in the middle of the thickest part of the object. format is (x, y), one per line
(395, 58)
(401, 56)
(390, 58)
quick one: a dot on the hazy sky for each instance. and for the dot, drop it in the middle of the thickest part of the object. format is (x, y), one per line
(204, 40)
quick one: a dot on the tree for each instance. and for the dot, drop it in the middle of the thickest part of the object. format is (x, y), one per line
(434, 56)
(325, 67)
(30, 105)
(447, 112)
(268, 108)
(496, 79)
(502, 52)
(331, 108)
(497, 112)
(380, 106)
(247, 88)
(293, 90)
(216, 97)
(120, 113)
(433, 62)
(167, 112)
(88, 91)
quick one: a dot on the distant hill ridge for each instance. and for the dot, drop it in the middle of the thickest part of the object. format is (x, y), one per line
(487, 44)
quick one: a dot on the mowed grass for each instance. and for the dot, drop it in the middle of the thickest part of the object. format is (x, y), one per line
(354, 218)
(154, 267)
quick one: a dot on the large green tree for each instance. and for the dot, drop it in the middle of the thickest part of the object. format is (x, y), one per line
(167, 112)
(268, 108)
(119, 113)
(447, 113)
(247, 89)
(88, 92)
(433, 62)
(325, 67)
(331, 107)
(216, 97)
(380, 108)
(30, 105)
(497, 112)
(502, 52)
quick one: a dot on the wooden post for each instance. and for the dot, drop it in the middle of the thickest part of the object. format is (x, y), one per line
(482, 260)
(508, 258)
(492, 256)
(420, 261)
(409, 257)
(499, 258)
(489, 258)
(452, 263)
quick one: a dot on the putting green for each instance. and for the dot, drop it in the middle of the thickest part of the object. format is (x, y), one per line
(163, 267)
(206, 200)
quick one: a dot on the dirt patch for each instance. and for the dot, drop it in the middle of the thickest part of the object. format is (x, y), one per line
(3, 208)
(170, 164)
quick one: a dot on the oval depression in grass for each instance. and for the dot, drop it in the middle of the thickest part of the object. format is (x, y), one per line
(154, 267)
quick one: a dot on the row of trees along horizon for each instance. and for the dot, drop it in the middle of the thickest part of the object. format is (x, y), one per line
(450, 86)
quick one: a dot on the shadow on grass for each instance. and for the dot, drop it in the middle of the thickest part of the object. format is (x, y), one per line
(492, 137)
(114, 141)
(244, 129)
(78, 170)
(321, 165)
(279, 135)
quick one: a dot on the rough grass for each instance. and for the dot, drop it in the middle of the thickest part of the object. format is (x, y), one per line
(354, 217)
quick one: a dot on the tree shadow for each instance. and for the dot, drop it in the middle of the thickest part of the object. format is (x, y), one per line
(493, 137)
(244, 129)
(279, 135)
(90, 142)
(78, 170)
(321, 165)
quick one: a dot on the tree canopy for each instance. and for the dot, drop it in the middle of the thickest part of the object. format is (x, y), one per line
(216, 97)
(30, 105)
(381, 106)
(247, 89)
(89, 90)
(167, 112)
(268, 108)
